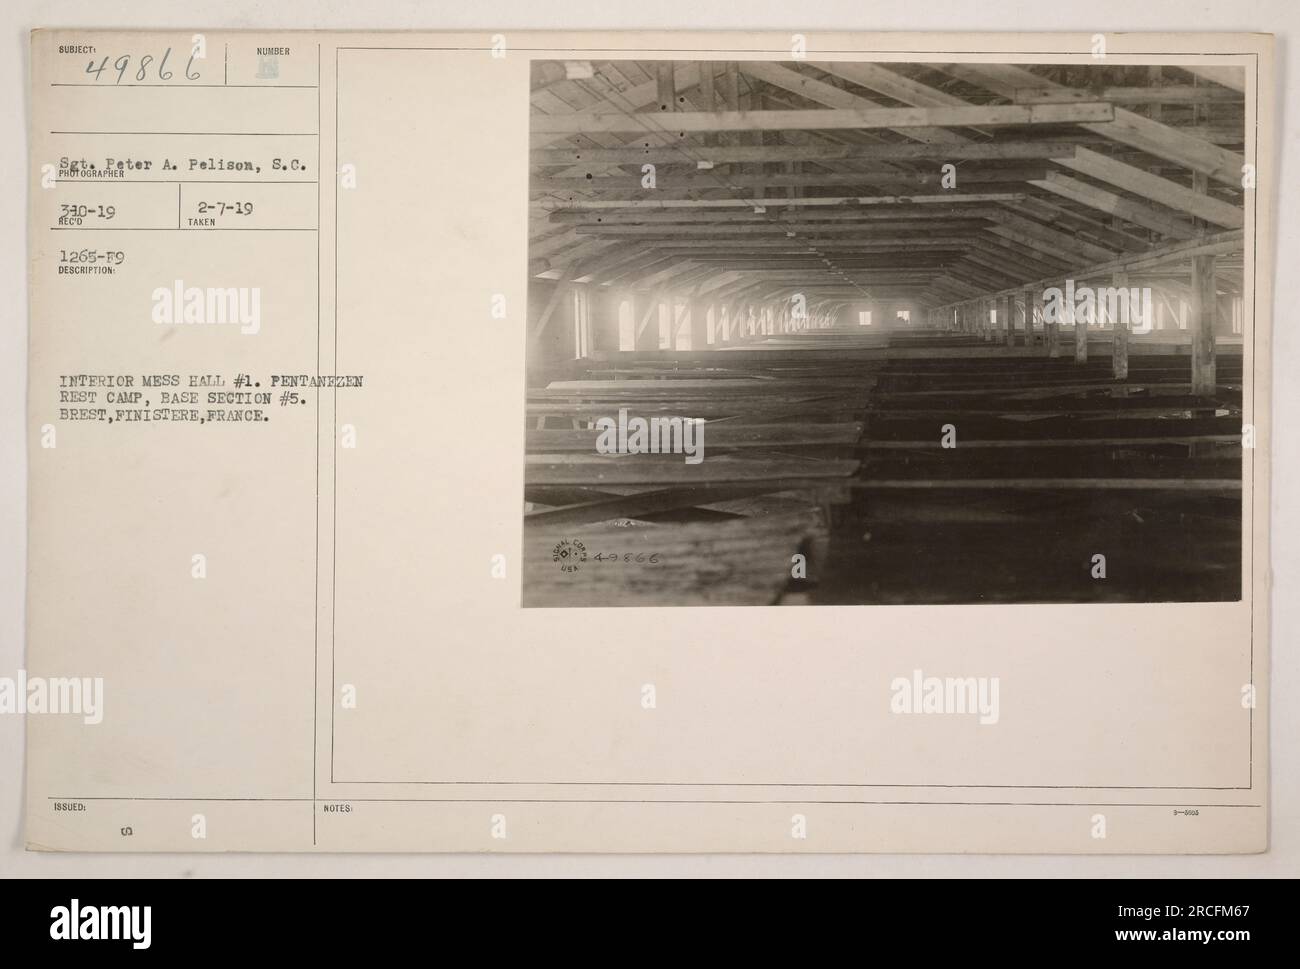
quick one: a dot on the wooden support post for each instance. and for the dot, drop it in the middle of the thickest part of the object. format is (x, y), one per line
(1119, 327)
(560, 291)
(647, 331)
(1204, 305)
(707, 324)
(665, 87)
(708, 95)
(1080, 333)
(1028, 297)
(1201, 186)
(1051, 328)
(699, 324)
(604, 322)
(731, 101)
(1006, 309)
(678, 312)
(1204, 308)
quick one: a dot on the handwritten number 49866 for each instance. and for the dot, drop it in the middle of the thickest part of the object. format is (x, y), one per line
(145, 64)
(639, 558)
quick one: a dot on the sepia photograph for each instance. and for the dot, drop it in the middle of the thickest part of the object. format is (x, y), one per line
(833, 332)
(955, 321)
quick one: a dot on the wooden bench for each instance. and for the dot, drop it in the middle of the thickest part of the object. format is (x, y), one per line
(740, 562)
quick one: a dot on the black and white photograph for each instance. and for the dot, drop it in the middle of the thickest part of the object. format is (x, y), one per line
(840, 332)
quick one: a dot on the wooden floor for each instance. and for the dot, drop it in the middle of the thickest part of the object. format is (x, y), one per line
(827, 448)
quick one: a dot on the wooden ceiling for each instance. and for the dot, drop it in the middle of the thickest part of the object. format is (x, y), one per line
(829, 177)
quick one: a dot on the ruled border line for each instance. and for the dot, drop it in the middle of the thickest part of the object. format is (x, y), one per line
(783, 53)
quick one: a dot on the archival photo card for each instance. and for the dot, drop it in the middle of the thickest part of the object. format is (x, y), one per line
(391, 394)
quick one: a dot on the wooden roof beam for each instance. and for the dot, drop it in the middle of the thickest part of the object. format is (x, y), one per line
(1015, 249)
(1222, 243)
(1152, 137)
(705, 179)
(1103, 232)
(1130, 210)
(793, 218)
(588, 122)
(1067, 245)
(723, 154)
(1155, 94)
(949, 198)
(1233, 78)
(820, 92)
(1153, 187)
